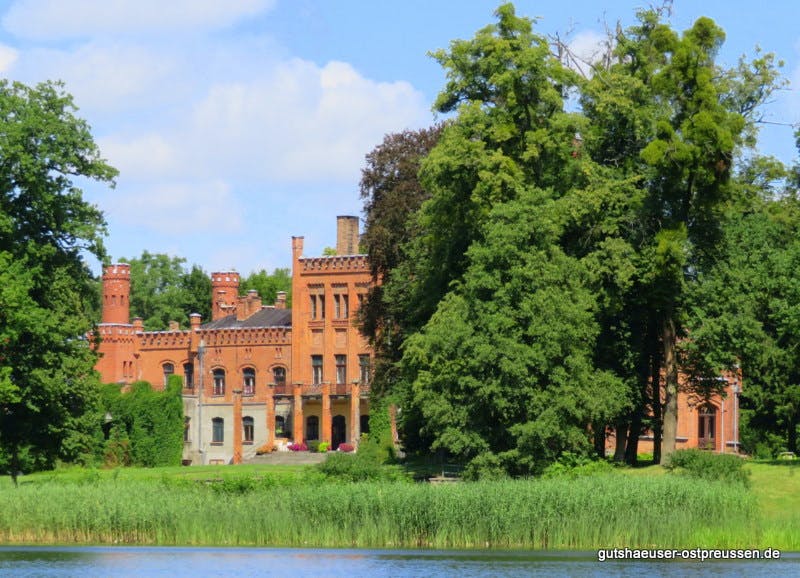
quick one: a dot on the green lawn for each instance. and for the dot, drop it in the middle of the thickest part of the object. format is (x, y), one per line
(217, 472)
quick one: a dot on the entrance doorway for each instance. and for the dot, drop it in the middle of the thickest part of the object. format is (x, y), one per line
(338, 431)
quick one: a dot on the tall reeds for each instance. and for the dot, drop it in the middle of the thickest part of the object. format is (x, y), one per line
(585, 513)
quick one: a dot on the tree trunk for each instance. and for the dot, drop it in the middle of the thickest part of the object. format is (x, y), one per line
(632, 449)
(655, 391)
(670, 430)
(600, 440)
(621, 434)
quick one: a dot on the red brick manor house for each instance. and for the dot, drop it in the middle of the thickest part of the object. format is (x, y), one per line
(260, 375)
(255, 374)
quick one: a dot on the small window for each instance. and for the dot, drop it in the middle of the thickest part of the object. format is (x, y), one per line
(312, 427)
(364, 367)
(318, 306)
(341, 369)
(316, 369)
(279, 375)
(217, 430)
(341, 306)
(169, 369)
(219, 382)
(249, 381)
(248, 424)
(188, 375)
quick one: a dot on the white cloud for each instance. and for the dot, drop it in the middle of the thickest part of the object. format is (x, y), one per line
(104, 76)
(177, 207)
(587, 47)
(294, 121)
(57, 19)
(7, 57)
(143, 157)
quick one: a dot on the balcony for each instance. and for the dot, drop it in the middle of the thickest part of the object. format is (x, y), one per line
(282, 389)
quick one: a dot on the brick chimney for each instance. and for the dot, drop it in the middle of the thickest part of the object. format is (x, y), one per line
(116, 293)
(280, 300)
(247, 305)
(346, 235)
(224, 294)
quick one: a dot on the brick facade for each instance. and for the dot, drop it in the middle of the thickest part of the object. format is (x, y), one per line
(247, 373)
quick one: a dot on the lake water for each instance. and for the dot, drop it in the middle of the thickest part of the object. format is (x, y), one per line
(45, 561)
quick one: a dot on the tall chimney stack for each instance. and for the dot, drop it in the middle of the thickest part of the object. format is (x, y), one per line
(346, 235)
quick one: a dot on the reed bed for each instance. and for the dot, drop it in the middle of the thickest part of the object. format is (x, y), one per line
(585, 513)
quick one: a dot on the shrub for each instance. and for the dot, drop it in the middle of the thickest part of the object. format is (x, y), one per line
(486, 466)
(301, 447)
(149, 424)
(351, 467)
(709, 466)
(573, 466)
(323, 447)
(313, 445)
(347, 448)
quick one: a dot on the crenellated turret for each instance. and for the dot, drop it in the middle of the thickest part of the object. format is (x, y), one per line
(116, 293)
(224, 294)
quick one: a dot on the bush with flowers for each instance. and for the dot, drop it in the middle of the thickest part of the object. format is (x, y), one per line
(301, 447)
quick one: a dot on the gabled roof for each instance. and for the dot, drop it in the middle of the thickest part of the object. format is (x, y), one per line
(267, 317)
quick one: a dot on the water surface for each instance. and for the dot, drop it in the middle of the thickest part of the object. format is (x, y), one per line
(63, 561)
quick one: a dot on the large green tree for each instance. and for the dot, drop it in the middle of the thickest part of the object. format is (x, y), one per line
(666, 114)
(746, 314)
(631, 194)
(392, 195)
(48, 388)
(500, 369)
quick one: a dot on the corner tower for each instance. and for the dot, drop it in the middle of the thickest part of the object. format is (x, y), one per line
(116, 293)
(224, 294)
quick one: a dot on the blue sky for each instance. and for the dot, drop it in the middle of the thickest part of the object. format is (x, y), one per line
(238, 124)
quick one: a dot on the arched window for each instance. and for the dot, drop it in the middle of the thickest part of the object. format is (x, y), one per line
(280, 426)
(169, 369)
(312, 427)
(279, 375)
(249, 381)
(219, 382)
(706, 427)
(188, 375)
(248, 424)
(217, 430)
